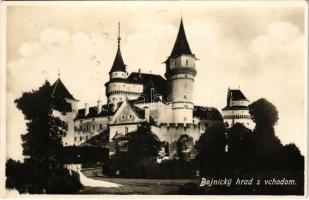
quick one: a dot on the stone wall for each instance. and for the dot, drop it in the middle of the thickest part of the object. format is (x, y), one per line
(87, 128)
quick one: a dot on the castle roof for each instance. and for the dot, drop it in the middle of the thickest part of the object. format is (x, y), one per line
(153, 84)
(107, 110)
(118, 64)
(181, 45)
(236, 95)
(60, 91)
(138, 111)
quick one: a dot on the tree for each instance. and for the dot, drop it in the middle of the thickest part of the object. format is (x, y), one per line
(267, 148)
(142, 143)
(185, 147)
(42, 143)
(211, 148)
(293, 160)
(142, 150)
(239, 143)
(264, 113)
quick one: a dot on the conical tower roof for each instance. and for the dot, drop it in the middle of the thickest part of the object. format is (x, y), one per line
(60, 91)
(181, 45)
(118, 64)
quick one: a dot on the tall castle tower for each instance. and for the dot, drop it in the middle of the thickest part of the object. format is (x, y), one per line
(115, 88)
(180, 73)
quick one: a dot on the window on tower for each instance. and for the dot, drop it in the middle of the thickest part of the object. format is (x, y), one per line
(187, 62)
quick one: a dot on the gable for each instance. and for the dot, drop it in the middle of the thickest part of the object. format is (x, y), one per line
(127, 114)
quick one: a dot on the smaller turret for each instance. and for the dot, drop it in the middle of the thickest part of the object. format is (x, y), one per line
(116, 87)
(236, 110)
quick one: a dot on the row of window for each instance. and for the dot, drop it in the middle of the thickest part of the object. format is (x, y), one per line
(237, 117)
(80, 138)
(122, 117)
(93, 119)
(88, 127)
(187, 63)
(123, 92)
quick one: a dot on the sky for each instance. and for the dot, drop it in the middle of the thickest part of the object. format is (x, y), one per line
(259, 48)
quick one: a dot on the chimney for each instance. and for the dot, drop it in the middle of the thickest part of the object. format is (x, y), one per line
(86, 109)
(147, 113)
(139, 73)
(99, 106)
(114, 106)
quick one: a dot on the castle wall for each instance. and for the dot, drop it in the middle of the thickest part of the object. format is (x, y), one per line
(182, 89)
(181, 72)
(183, 61)
(119, 91)
(87, 128)
(232, 117)
(68, 118)
(239, 103)
(171, 133)
(121, 130)
(128, 87)
(119, 74)
(160, 112)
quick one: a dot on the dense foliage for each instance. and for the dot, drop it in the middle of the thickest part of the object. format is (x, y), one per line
(142, 149)
(42, 170)
(242, 153)
(239, 150)
(185, 147)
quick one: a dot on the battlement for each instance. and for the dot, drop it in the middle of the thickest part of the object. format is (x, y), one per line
(179, 125)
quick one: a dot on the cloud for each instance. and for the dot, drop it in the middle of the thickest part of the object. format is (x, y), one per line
(267, 62)
(52, 36)
(279, 59)
(29, 48)
(81, 60)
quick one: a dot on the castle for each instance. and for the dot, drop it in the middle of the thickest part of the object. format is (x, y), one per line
(135, 98)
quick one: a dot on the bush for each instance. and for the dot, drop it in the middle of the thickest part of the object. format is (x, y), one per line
(62, 182)
(149, 168)
(27, 179)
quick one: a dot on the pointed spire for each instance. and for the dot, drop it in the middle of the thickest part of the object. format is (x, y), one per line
(119, 38)
(181, 45)
(118, 64)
